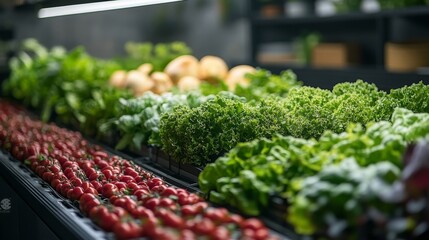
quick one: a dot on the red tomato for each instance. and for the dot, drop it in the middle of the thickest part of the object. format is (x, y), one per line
(91, 190)
(201, 206)
(97, 185)
(133, 186)
(90, 171)
(88, 201)
(169, 191)
(220, 233)
(69, 164)
(47, 176)
(186, 234)
(40, 170)
(102, 164)
(107, 173)
(237, 219)
(261, 234)
(205, 227)
(62, 159)
(100, 154)
(220, 215)
(131, 172)
(126, 179)
(118, 211)
(159, 188)
(166, 202)
(252, 223)
(34, 165)
(248, 234)
(105, 219)
(126, 230)
(141, 212)
(113, 198)
(141, 194)
(86, 165)
(86, 185)
(109, 190)
(181, 190)
(54, 168)
(95, 176)
(125, 203)
(75, 181)
(107, 168)
(65, 188)
(58, 188)
(121, 185)
(55, 182)
(154, 182)
(75, 193)
(69, 173)
(171, 219)
(152, 203)
(193, 198)
(189, 210)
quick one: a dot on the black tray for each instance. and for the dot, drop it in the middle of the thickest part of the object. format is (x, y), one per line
(58, 213)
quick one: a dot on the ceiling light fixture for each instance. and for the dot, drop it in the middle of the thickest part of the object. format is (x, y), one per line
(96, 7)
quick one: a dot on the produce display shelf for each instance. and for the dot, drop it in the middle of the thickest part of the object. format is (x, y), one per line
(151, 161)
(63, 215)
(59, 214)
(273, 218)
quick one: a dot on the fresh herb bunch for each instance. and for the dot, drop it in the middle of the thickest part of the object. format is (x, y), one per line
(273, 164)
(200, 135)
(263, 83)
(336, 199)
(306, 112)
(414, 97)
(346, 201)
(137, 120)
(56, 81)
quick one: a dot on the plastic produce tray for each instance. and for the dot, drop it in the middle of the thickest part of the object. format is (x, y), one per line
(64, 216)
(60, 214)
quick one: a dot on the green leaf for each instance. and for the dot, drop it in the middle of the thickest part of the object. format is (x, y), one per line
(124, 142)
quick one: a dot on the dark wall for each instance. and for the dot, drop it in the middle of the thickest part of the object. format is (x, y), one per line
(205, 25)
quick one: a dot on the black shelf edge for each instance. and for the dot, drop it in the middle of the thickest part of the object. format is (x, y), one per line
(343, 17)
(280, 20)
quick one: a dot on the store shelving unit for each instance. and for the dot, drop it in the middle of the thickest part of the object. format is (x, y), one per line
(47, 215)
(370, 30)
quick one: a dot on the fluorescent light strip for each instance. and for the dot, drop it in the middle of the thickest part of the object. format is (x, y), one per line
(96, 7)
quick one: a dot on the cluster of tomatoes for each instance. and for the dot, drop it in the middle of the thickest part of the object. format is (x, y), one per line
(115, 193)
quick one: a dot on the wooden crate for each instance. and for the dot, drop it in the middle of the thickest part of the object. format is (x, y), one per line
(406, 57)
(336, 55)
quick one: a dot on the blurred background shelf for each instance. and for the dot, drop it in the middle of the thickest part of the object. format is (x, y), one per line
(372, 32)
(411, 12)
(328, 77)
